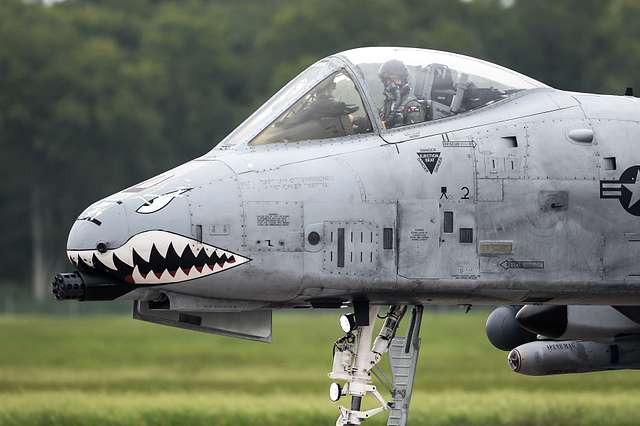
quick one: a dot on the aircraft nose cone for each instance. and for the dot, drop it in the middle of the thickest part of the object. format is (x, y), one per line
(100, 227)
(547, 320)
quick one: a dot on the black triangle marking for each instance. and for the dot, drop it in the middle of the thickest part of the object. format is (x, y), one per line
(429, 160)
(143, 266)
(122, 267)
(172, 260)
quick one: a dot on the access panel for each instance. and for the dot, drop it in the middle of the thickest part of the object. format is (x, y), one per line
(356, 240)
(418, 239)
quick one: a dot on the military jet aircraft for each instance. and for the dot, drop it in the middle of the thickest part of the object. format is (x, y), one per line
(396, 178)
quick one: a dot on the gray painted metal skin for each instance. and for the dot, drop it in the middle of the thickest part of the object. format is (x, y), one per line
(584, 251)
(530, 199)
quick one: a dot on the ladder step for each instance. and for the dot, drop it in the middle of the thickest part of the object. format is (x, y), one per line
(403, 367)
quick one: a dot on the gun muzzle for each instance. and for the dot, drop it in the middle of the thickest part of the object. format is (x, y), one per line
(82, 286)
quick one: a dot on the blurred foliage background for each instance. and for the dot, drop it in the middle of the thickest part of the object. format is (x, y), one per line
(110, 370)
(96, 95)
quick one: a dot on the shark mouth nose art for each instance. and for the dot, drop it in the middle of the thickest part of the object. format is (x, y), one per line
(157, 257)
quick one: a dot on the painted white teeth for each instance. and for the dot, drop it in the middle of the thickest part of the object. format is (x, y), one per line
(106, 259)
(125, 254)
(137, 276)
(144, 252)
(162, 245)
(165, 277)
(180, 276)
(144, 242)
(196, 247)
(179, 244)
(86, 257)
(73, 257)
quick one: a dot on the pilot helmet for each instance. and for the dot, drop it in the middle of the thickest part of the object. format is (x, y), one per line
(393, 69)
(414, 112)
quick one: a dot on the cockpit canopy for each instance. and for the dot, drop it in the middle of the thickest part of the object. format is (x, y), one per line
(354, 92)
(409, 86)
(333, 108)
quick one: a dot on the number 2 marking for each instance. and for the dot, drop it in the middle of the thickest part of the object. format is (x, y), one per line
(466, 193)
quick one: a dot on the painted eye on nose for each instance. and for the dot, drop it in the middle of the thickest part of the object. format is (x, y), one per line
(159, 202)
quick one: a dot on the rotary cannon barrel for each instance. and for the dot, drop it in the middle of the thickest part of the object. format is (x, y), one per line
(82, 286)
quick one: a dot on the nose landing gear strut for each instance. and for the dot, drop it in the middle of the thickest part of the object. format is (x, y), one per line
(355, 359)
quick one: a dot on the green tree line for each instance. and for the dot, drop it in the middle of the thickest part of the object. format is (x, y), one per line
(97, 95)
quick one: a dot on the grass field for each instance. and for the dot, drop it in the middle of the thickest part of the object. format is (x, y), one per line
(112, 370)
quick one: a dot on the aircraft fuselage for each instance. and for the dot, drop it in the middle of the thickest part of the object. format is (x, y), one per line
(532, 200)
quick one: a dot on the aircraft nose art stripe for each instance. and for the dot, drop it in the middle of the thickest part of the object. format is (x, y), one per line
(158, 257)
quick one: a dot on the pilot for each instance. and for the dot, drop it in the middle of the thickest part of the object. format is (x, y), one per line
(398, 109)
